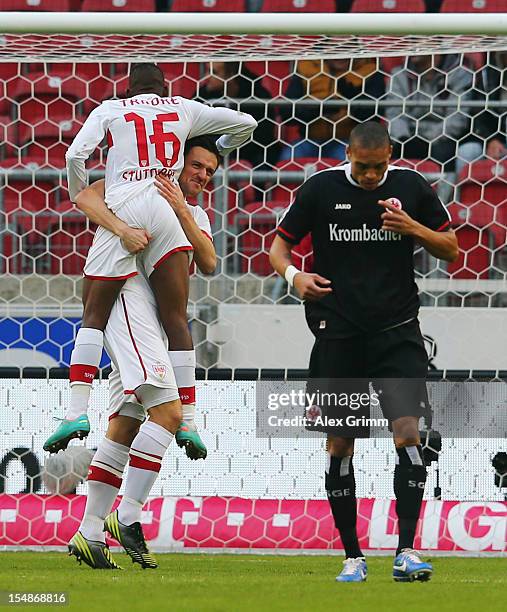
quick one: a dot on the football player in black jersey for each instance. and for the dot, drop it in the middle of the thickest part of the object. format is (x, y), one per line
(361, 303)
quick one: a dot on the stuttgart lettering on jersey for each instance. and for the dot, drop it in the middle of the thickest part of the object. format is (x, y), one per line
(141, 174)
(360, 234)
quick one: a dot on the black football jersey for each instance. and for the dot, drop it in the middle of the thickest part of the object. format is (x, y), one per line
(371, 270)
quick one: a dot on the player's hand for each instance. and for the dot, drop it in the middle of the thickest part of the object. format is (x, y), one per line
(135, 240)
(171, 192)
(311, 287)
(397, 220)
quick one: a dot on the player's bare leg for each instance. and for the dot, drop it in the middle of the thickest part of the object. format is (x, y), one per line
(409, 481)
(98, 299)
(145, 459)
(170, 286)
(341, 494)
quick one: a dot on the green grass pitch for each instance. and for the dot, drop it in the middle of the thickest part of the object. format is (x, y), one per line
(247, 583)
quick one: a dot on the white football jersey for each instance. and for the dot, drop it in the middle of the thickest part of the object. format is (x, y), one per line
(147, 137)
(140, 285)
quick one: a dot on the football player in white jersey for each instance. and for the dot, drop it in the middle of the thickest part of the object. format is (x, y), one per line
(147, 132)
(137, 345)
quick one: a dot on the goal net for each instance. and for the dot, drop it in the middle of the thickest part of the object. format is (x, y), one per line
(439, 84)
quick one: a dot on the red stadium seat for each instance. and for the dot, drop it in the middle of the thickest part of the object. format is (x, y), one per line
(181, 78)
(208, 6)
(256, 228)
(36, 5)
(430, 169)
(473, 6)
(475, 256)
(284, 191)
(299, 6)
(133, 6)
(48, 142)
(70, 239)
(41, 97)
(388, 6)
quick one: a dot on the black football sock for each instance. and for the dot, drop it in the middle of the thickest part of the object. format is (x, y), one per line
(341, 494)
(409, 481)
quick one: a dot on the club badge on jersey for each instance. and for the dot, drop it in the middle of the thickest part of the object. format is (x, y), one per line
(394, 202)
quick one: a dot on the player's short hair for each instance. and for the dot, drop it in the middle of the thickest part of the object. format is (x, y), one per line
(206, 141)
(144, 75)
(370, 135)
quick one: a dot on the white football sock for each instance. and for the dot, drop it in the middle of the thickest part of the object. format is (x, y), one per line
(84, 363)
(183, 363)
(104, 481)
(146, 453)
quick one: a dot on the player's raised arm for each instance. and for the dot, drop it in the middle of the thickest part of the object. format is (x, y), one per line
(87, 139)
(90, 201)
(236, 127)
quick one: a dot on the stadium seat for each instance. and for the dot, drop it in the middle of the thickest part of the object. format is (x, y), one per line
(473, 6)
(182, 78)
(211, 6)
(256, 226)
(28, 213)
(299, 6)
(133, 6)
(388, 6)
(309, 165)
(36, 5)
(46, 143)
(70, 238)
(429, 168)
(256, 230)
(43, 96)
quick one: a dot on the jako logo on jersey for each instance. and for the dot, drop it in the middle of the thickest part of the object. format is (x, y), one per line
(360, 234)
(342, 206)
(160, 369)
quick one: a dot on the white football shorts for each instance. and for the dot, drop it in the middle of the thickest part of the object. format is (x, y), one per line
(137, 346)
(108, 259)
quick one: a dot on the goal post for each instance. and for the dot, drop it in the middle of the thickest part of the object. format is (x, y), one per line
(205, 37)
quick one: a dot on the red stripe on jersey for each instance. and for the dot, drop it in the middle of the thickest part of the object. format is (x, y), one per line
(124, 304)
(280, 229)
(207, 235)
(443, 226)
(110, 278)
(187, 395)
(109, 137)
(167, 255)
(82, 373)
(102, 475)
(144, 464)
(113, 416)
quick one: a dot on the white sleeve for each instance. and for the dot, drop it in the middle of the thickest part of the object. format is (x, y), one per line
(83, 145)
(235, 126)
(202, 220)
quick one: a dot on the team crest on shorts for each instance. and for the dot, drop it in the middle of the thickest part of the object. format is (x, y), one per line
(395, 202)
(159, 369)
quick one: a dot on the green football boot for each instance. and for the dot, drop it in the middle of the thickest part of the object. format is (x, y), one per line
(191, 440)
(65, 432)
(95, 554)
(132, 539)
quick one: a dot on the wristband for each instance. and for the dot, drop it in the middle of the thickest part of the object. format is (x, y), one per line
(290, 273)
